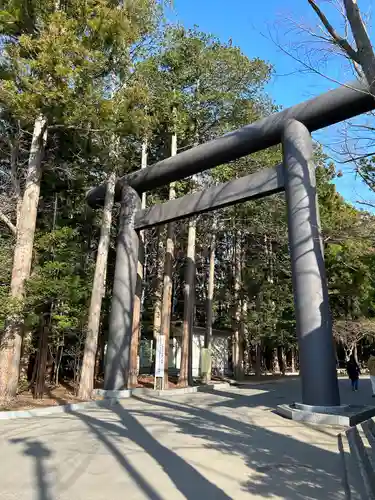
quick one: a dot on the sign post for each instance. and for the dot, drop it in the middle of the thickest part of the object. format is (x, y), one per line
(159, 362)
(206, 364)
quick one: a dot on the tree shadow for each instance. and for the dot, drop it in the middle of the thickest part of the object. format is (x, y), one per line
(280, 465)
(272, 394)
(95, 426)
(40, 453)
(184, 476)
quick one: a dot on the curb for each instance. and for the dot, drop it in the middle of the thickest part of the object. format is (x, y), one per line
(109, 397)
(261, 382)
(185, 390)
(48, 410)
(143, 391)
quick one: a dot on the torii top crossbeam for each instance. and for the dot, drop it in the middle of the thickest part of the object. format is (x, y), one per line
(327, 109)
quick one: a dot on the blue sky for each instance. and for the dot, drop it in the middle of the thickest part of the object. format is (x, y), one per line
(257, 27)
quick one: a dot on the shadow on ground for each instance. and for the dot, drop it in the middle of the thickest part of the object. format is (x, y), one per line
(278, 464)
(271, 394)
(285, 467)
(40, 454)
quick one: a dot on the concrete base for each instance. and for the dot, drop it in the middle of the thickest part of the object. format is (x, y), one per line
(345, 415)
(139, 391)
(335, 410)
(108, 394)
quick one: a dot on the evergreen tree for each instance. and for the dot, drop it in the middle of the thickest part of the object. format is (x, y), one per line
(57, 59)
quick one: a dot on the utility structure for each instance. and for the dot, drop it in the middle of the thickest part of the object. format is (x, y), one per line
(296, 176)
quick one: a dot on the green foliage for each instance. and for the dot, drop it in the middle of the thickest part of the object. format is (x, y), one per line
(266, 273)
(59, 289)
(7, 305)
(366, 170)
(199, 85)
(60, 60)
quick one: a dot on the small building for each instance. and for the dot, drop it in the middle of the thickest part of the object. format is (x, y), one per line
(219, 351)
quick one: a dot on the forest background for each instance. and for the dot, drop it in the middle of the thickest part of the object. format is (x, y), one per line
(96, 89)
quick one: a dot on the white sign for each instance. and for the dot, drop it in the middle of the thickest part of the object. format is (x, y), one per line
(159, 356)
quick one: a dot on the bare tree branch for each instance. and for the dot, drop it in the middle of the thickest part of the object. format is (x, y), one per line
(365, 52)
(357, 158)
(366, 203)
(336, 38)
(350, 332)
(8, 223)
(312, 68)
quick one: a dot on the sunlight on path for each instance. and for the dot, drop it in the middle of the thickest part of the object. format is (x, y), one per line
(222, 445)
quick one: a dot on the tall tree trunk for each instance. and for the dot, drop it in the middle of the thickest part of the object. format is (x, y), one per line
(99, 356)
(355, 352)
(186, 367)
(282, 359)
(158, 292)
(210, 301)
(11, 343)
(59, 356)
(275, 367)
(144, 156)
(293, 360)
(158, 287)
(237, 357)
(40, 379)
(365, 51)
(248, 352)
(136, 330)
(336, 354)
(136, 333)
(86, 385)
(258, 344)
(185, 377)
(168, 270)
(243, 336)
(258, 359)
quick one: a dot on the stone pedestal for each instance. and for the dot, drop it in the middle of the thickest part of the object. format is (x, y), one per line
(343, 415)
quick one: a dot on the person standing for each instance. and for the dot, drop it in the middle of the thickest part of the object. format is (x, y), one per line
(371, 369)
(353, 371)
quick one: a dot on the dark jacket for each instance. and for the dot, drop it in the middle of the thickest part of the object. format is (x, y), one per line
(353, 369)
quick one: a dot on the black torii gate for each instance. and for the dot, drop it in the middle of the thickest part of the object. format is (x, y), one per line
(295, 176)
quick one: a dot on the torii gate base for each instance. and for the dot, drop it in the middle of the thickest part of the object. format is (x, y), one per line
(320, 392)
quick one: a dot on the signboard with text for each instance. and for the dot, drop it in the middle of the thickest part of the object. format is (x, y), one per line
(159, 356)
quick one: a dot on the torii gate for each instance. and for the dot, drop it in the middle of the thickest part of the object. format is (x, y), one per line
(296, 176)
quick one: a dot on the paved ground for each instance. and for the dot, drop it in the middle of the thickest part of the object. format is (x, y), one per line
(222, 445)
